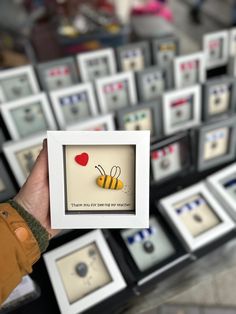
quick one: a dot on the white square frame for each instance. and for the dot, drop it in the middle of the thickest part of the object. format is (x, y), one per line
(191, 243)
(211, 36)
(28, 70)
(59, 218)
(117, 284)
(199, 56)
(6, 108)
(218, 190)
(129, 76)
(12, 147)
(169, 96)
(56, 94)
(107, 119)
(86, 56)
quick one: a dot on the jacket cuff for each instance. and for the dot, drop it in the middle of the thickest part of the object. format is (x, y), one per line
(40, 233)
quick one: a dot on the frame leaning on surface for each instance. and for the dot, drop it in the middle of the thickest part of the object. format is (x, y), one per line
(96, 296)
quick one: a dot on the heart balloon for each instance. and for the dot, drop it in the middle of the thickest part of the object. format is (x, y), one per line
(82, 159)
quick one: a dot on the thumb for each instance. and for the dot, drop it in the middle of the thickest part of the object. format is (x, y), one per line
(40, 169)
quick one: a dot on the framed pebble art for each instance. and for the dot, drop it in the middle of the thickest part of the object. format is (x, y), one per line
(197, 216)
(87, 263)
(100, 183)
(96, 64)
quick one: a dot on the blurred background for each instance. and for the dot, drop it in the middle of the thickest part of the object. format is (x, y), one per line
(71, 27)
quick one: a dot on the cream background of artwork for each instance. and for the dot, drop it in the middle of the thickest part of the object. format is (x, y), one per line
(222, 144)
(81, 181)
(77, 287)
(133, 63)
(209, 218)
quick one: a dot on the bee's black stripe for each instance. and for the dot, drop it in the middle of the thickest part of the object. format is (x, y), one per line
(116, 184)
(105, 181)
(111, 183)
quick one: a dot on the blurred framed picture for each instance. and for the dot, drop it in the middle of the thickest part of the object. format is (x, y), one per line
(164, 51)
(219, 96)
(96, 64)
(216, 49)
(232, 42)
(74, 104)
(58, 74)
(7, 188)
(146, 259)
(116, 91)
(18, 83)
(28, 116)
(196, 216)
(145, 116)
(152, 83)
(21, 156)
(189, 70)
(101, 123)
(223, 186)
(216, 143)
(181, 109)
(134, 56)
(171, 157)
(85, 262)
(98, 185)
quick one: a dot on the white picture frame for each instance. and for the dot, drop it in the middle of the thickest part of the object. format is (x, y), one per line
(224, 38)
(129, 208)
(15, 72)
(194, 243)
(56, 96)
(100, 123)
(14, 151)
(116, 284)
(216, 185)
(116, 79)
(189, 61)
(6, 110)
(85, 57)
(192, 93)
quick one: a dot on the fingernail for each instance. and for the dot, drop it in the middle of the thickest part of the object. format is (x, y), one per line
(44, 143)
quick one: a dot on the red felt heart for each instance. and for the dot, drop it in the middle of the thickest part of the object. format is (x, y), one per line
(82, 159)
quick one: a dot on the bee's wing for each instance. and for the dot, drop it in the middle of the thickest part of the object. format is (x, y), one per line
(112, 170)
(116, 169)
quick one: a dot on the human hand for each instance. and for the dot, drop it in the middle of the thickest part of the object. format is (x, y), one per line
(34, 194)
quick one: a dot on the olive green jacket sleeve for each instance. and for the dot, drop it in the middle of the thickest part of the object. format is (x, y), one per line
(22, 240)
